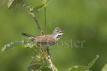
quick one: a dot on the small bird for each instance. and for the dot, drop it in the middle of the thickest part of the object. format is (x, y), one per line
(47, 40)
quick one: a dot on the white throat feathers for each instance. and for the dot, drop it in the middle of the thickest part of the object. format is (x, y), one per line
(58, 36)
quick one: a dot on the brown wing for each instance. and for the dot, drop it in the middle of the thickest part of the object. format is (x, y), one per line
(44, 38)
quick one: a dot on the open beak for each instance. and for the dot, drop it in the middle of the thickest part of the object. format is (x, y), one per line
(62, 33)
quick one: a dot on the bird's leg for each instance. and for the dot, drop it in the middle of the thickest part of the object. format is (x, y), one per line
(49, 55)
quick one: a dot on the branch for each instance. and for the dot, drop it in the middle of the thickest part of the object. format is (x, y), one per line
(33, 15)
(50, 60)
(3, 2)
(45, 19)
(51, 64)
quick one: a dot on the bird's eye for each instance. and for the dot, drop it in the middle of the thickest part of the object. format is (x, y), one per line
(57, 31)
(60, 32)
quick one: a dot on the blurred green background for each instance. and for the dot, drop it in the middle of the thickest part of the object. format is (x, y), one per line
(82, 21)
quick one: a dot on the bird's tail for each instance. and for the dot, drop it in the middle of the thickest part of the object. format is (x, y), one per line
(28, 35)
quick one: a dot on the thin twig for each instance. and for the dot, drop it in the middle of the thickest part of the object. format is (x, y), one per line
(39, 45)
(42, 33)
(40, 54)
(45, 19)
(3, 2)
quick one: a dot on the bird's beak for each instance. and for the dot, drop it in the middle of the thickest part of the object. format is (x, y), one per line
(62, 33)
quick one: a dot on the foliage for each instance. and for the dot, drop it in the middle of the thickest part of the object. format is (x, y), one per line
(40, 60)
(24, 3)
(92, 62)
(15, 3)
(39, 6)
(12, 45)
(83, 68)
(104, 68)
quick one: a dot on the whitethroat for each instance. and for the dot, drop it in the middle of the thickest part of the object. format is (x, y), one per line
(47, 40)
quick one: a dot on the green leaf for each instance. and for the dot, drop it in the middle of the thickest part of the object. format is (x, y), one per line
(76, 68)
(39, 65)
(92, 62)
(15, 3)
(104, 68)
(46, 2)
(34, 67)
(29, 45)
(83, 68)
(45, 66)
(39, 6)
(12, 45)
